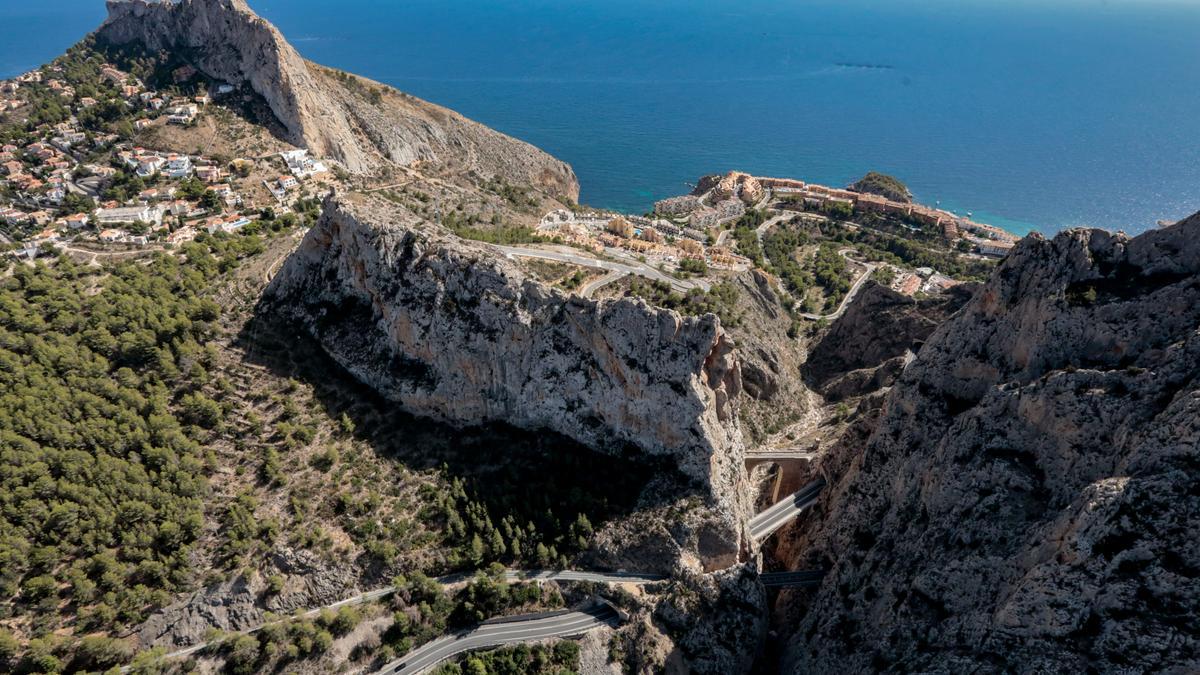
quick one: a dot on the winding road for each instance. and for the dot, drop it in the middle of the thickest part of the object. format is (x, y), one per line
(530, 628)
(640, 269)
(858, 284)
(596, 284)
(761, 231)
(510, 576)
(512, 631)
(534, 627)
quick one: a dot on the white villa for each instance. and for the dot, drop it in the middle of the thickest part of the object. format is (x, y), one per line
(130, 214)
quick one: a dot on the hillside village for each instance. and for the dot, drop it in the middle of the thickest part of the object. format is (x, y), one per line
(720, 201)
(92, 160)
(72, 173)
(736, 222)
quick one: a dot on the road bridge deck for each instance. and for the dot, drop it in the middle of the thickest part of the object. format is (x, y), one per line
(765, 523)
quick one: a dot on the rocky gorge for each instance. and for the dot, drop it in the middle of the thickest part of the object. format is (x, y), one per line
(1024, 497)
(1011, 466)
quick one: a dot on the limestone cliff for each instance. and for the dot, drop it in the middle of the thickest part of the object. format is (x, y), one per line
(323, 110)
(869, 345)
(451, 330)
(1027, 501)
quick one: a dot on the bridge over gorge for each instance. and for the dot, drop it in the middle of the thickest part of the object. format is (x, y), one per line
(779, 454)
(792, 464)
(775, 517)
(798, 579)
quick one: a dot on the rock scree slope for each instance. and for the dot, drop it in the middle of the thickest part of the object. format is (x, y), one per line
(225, 40)
(1028, 501)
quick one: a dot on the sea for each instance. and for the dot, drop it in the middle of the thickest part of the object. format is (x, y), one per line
(1028, 115)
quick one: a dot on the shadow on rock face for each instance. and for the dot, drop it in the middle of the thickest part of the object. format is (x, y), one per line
(865, 349)
(535, 476)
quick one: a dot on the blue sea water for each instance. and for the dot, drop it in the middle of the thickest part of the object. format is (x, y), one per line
(1031, 115)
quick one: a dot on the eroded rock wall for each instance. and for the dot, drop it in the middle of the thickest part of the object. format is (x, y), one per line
(451, 330)
(868, 346)
(225, 40)
(1028, 500)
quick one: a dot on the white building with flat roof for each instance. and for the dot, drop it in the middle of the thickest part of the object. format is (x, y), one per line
(178, 166)
(301, 165)
(130, 214)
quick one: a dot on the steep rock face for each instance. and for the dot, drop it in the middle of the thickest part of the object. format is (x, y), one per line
(451, 330)
(716, 622)
(770, 359)
(226, 40)
(865, 348)
(1028, 500)
(407, 130)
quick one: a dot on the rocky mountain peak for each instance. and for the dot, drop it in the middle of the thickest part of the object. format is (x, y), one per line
(361, 124)
(226, 40)
(1027, 498)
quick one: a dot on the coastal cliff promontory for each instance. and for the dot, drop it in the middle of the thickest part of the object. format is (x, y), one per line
(451, 330)
(324, 110)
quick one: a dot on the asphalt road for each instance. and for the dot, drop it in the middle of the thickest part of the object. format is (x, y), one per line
(511, 576)
(871, 267)
(88, 187)
(762, 525)
(639, 269)
(364, 598)
(596, 284)
(761, 230)
(498, 634)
